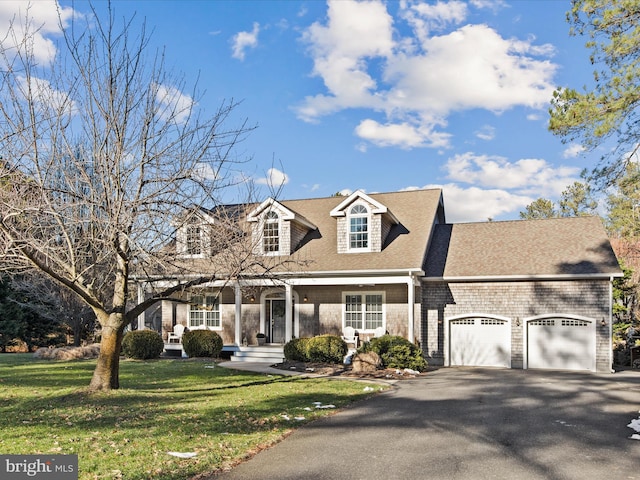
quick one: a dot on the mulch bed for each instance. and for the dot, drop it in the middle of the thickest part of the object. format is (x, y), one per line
(340, 370)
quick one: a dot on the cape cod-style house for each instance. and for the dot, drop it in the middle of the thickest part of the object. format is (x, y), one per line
(513, 294)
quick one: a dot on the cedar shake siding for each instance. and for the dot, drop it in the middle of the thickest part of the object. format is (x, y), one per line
(392, 260)
(518, 270)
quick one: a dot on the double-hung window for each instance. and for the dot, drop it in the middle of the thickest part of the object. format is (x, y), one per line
(271, 233)
(358, 228)
(193, 240)
(204, 311)
(364, 311)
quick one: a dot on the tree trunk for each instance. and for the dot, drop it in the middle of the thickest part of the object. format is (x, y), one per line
(106, 374)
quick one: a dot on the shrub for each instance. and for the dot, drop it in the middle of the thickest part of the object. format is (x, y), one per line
(68, 353)
(296, 350)
(202, 343)
(396, 352)
(142, 344)
(326, 349)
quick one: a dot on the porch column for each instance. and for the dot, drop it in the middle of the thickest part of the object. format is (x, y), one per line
(238, 316)
(140, 300)
(288, 317)
(411, 291)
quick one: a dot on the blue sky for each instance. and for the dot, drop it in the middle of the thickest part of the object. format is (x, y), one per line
(381, 96)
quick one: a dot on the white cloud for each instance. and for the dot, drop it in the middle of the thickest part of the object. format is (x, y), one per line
(491, 4)
(44, 22)
(573, 150)
(311, 188)
(452, 75)
(274, 179)
(48, 98)
(403, 135)
(478, 205)
(174, 104)
(243, 40)
(417, 80)
(427, 17)
(355, 32)
(530, 176)
(634, 155)
(204, 171)
(486, 132)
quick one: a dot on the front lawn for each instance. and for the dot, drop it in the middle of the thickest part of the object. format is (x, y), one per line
(164, 406)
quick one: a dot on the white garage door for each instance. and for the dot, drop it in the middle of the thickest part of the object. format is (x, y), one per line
(481, 342)
(561, 343)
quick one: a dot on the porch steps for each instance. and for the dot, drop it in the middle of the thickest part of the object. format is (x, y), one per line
(259, 354)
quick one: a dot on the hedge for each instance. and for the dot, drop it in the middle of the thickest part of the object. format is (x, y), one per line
(142, 344)
(201, 343)
(326, 349)
(396, 352)
(297, 350)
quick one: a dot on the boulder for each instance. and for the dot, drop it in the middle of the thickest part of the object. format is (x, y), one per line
(366, 362)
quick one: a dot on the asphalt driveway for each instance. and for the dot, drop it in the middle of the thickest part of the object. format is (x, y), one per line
(470, 424)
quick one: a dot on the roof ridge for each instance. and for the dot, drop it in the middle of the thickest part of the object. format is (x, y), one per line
(396, 192)
(522, 220)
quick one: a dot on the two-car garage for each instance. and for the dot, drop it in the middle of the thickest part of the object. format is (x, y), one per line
(549, 342)
(520, 294)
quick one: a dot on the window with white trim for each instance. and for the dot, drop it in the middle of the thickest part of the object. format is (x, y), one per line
(204, 311)
(271, 233)
(358, 227)
(364, 311)
(193, 240)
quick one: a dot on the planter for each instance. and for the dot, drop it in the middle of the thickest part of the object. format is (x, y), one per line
(261, 340)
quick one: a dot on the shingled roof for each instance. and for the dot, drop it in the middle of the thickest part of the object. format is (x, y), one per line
(406, 243)
(526, 248)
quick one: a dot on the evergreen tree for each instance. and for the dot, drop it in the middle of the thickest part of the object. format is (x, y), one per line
(25, 319)
(541, 208)
(610, 109)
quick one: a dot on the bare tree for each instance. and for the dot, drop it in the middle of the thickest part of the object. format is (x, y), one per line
(102, 151)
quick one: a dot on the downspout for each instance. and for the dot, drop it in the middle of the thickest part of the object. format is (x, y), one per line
(238, 305)
(610, 345)
(288, 292)
(411, 294)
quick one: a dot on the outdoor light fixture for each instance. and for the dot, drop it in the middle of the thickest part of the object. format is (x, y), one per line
(603, 323)
(517, 322)
(305, 299)
(252, 298)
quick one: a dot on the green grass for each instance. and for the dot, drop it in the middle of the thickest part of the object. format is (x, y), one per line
(164, 405)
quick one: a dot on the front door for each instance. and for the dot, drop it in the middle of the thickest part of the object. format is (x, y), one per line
(277, 319)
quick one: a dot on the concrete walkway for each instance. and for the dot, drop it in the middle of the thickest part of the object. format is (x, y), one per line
(479, 424)
(259, 367)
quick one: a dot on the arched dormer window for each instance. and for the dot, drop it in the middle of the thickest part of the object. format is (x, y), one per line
(358, 227)
(271, 233)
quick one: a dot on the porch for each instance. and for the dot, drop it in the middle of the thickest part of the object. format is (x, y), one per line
(273, 353)
(306, 307)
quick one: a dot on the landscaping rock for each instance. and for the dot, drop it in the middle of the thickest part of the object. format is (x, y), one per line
(366, 362)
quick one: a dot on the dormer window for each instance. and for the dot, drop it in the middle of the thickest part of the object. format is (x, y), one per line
(276, 229)
(271, 233)
(193, 240)
(358, 227)
(362, 224)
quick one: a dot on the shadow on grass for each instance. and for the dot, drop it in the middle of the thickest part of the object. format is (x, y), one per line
(183, 399)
